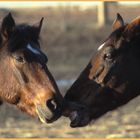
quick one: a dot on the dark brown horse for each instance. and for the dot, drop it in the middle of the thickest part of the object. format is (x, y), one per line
(112, 77)
(25, 80)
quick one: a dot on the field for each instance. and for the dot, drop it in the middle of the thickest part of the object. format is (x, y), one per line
(70, 36)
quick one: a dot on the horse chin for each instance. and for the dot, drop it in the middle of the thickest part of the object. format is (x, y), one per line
(45, 115)
(79, 119)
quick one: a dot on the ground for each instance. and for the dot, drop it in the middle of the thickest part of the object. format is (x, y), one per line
(69, 45)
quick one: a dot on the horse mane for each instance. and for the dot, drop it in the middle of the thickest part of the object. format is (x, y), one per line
(23, 33)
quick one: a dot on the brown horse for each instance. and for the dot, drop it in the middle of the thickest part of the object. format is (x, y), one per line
(25, 80)
(112, 77)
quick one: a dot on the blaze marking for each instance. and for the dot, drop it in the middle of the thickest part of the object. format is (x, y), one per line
(33, 50)
(100, 47)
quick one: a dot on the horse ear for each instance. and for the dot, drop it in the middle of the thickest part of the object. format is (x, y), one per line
(118, 22)
(8, 25)
(38, 26)
(132, 29)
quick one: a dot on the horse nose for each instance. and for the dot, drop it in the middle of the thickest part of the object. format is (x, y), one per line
(52, 105)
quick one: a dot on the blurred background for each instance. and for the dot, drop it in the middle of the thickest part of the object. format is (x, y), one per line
(71, 33)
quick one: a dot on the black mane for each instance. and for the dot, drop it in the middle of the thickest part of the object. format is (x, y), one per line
(22, 35)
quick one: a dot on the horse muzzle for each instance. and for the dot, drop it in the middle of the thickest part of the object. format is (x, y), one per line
(48, 112)
(78, 114)
(79, 119)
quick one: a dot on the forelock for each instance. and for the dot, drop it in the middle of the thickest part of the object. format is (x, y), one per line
(22, 35)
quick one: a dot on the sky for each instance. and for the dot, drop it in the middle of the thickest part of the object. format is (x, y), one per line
(17, 4)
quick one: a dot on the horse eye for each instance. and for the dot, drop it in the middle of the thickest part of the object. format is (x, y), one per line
(20, 59)
(108, 56)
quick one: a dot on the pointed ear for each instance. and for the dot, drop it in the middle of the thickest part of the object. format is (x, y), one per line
(132, 29)
(38, 26)
(8, 26)
(118, 22)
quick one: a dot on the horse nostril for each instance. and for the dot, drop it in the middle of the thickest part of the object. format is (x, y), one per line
(52, 104)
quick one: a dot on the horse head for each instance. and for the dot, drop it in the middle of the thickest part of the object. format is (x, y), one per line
(25, 79)
(112, 76)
